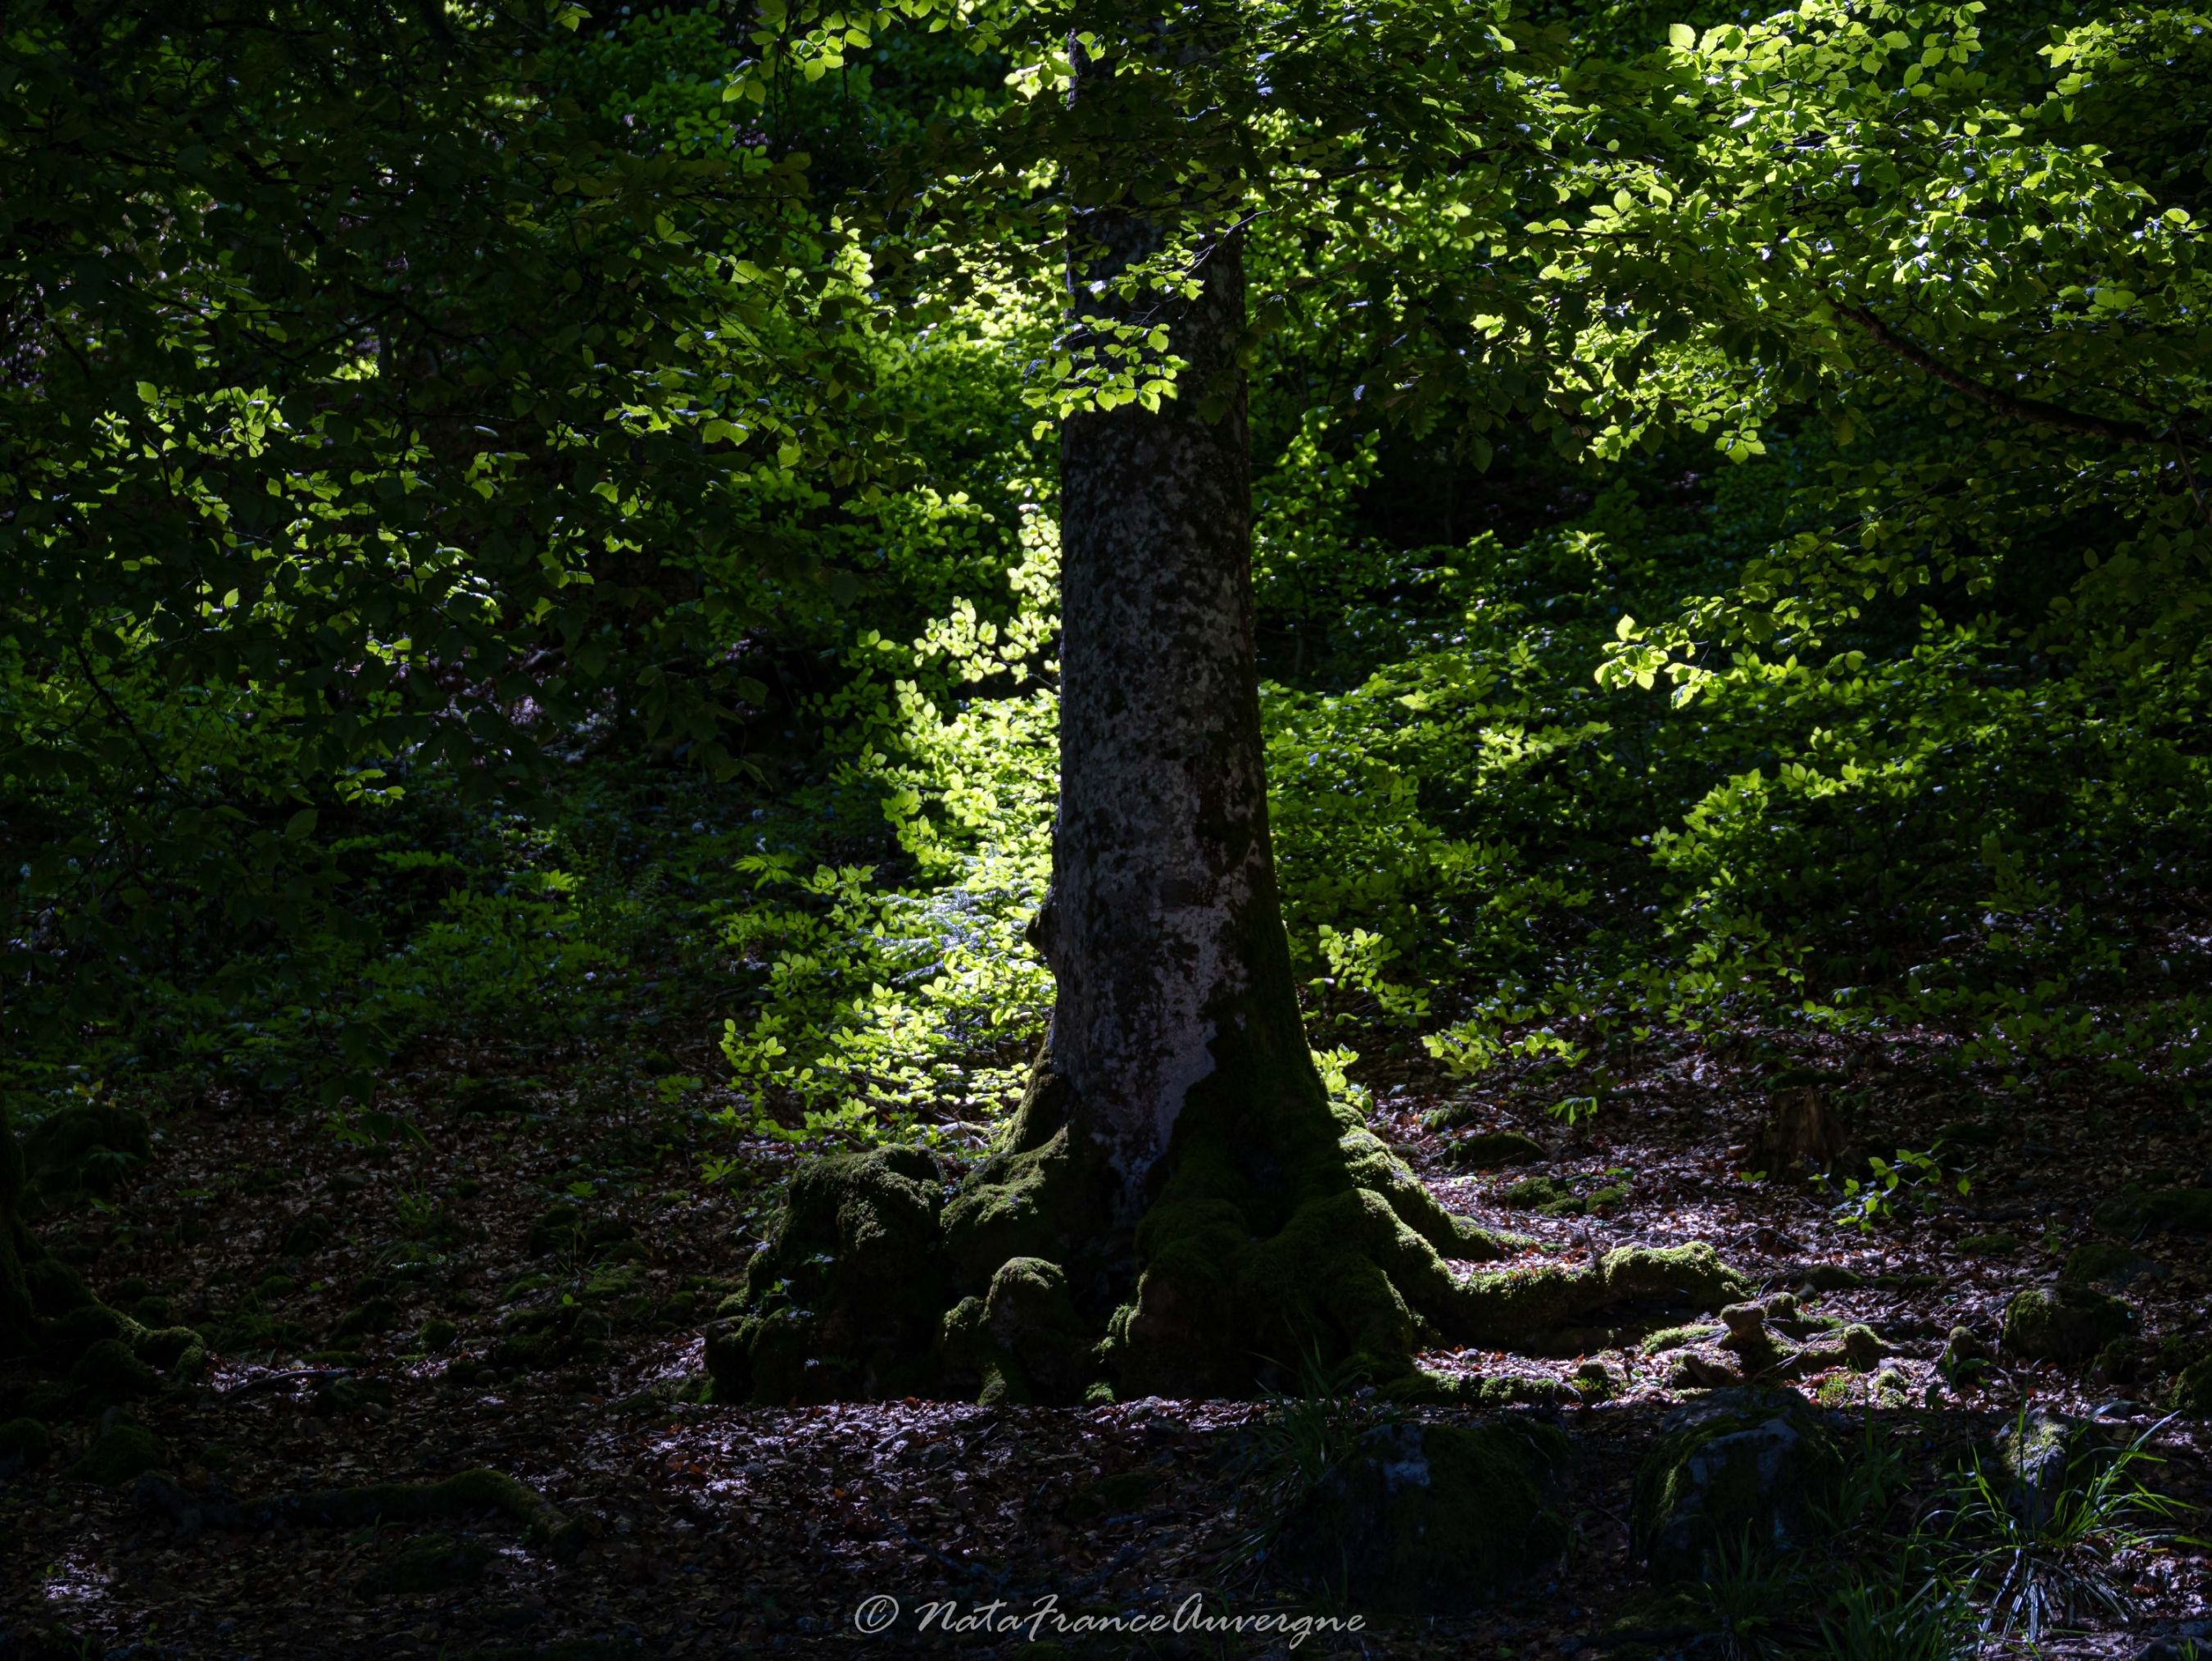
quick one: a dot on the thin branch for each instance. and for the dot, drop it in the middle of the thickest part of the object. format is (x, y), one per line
(2033, 410)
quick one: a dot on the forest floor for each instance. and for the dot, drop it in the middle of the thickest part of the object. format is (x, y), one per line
(405, 1310)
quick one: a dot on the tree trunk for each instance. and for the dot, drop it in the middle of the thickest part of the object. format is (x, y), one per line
(1177, 1208)
(1164, 930)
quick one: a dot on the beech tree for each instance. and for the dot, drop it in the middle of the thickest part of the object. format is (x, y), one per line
(1176, 1206)
(1602, 250)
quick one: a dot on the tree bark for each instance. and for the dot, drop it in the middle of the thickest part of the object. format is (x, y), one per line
(1164, 930)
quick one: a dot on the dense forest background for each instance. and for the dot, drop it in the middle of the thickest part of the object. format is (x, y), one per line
(1874, 716)
(530, 558)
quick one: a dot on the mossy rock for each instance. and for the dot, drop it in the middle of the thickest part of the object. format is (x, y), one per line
(1862, 1346)
(1681, 1337)
(23, 1443)
(844, 1302)
(2134, 1212)
(1744, 1466)
(2191, 1395)
(1546, 1196)
(1990, 1245)
(118, 1453)
(2031, 1459)
(1965, 1358)
(437, 1334)
(2124, 1362)
(2066, 1322)
(108, 1373)
(2100, 1262)
(1490, 1150)
(1432, 1519)
(1024, 1333)
(377, 1315)
(429, 1563)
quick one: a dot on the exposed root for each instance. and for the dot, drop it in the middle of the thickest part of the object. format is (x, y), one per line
(47, 1311)
(1276, 1237)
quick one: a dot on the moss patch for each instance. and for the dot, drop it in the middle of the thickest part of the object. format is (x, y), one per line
(2101, 1262)
(844, 1300)
(118, 1454)
(2064, 1322)
(2192, 1389)
(1484, 1392)
(23, 1442)
(2133, 1212)
(1279, 1230)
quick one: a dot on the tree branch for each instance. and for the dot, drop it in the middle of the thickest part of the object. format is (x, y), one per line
(2033, 410)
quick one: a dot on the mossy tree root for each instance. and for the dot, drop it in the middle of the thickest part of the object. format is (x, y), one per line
(47, 1311)
(1298, 1236)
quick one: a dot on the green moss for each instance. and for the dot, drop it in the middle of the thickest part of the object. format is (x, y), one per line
(1421, 1388)
(1509, 1306)
(404, 1502)
(437, 1334)
(844, 1301)
(2133, 1212)
(1546, 1195)
(1681, 1337)
(1278, 1231)
(108, 1373)
(1023, 1202)
(118, 1454)
(2100, 1262)
(178, 1351)
(377, 1315)
(1489, 1150)
(1746, 1465)
(557, 1228)
(1432, 1519)
(2064, 1322)
(1024, 1332)
(1990, 1245)
(1368, 1162)
(1862, 1346)
(2192, 1389)
(24, 1442)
